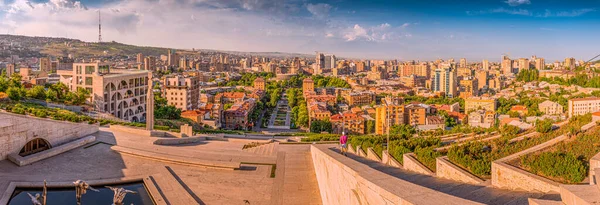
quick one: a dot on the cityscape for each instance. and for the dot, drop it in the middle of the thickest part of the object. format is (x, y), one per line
(352, 117)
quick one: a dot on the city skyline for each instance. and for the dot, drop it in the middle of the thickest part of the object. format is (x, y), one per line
(377, 30)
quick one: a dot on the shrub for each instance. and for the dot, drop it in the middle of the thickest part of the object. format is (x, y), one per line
(564, 167)
(427, 155)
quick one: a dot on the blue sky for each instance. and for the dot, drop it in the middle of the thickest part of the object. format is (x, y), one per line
(378, 29)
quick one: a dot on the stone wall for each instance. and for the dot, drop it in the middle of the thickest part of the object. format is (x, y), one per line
(16, 130)
(410, 162)
(594, 164)
(448, 170)
(509, 177)
(343, 180)
(372, 155)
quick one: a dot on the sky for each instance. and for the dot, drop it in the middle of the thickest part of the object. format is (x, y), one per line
(367, 29)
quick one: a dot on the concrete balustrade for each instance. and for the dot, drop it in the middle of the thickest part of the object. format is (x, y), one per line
(411, 163)
(372, 155)
(448, 170)
(510, 177)
(389, 160)
(343, 180)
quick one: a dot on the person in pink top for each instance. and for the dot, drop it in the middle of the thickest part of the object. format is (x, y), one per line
(344, 143)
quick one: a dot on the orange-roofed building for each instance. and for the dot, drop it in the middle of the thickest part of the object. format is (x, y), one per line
(507, 120)
(522, 110)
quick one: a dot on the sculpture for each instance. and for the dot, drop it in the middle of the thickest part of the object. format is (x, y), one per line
(81, 188)
(119, 194)
(37, 199)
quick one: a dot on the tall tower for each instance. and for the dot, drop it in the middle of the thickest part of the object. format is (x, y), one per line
(99, 28)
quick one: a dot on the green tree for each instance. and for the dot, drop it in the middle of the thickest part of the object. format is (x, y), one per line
(370, 128)
(15, 93)
(403, 131)
(509, 131)
(544, 126)
(37, 92)
(318, 126)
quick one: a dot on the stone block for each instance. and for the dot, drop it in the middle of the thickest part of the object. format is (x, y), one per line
(22, 161)
(448, 170)
(411, 163)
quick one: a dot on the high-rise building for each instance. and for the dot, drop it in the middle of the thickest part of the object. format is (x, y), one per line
(569, 63)
(10, 69)
(485, 64)
(330, 61)
(182, 91)
(184, 63)
(150, 63)
(140, 58)
(540, 63)
(319, 63)
(523, 64)
(463, 63)
(506, 65)
(172, 58)
(388, 114)
(45, 65)
(445, 81)
(481, 76)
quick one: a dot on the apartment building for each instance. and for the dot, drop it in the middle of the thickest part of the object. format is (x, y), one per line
(476, 103)
(582, 106)
(120, 92)
(182, 91)
(390, 109)
(348, 122)
(237, 117)
(551, 108)
(359, 98)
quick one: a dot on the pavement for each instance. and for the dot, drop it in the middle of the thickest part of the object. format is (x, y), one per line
(179, 183)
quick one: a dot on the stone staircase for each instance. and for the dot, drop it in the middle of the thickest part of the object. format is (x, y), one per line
(269, 149)
(482, 193)
(576, 194)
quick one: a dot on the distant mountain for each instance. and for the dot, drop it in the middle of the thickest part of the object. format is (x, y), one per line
(34, 46)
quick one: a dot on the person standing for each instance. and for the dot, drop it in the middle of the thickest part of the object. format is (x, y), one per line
(344, 144)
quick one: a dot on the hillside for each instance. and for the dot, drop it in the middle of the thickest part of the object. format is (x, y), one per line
(34, 46)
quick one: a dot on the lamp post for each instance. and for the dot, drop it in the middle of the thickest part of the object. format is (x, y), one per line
(388, 129)
(343, 121)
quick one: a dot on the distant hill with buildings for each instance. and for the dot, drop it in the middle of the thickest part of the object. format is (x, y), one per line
(35, 46)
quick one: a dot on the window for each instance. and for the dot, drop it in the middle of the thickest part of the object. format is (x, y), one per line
(89, 69)
(88, 81)
(78, 69)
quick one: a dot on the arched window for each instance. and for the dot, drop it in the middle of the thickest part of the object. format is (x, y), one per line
(34, 146)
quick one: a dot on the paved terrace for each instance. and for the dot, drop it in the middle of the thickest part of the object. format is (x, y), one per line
(180, 183)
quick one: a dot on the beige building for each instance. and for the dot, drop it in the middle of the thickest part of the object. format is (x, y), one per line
(551, 108)
(582, 106)
(359, 98)
(308, 86)
(259, 84)
(476, 103)
(182, 91)
(120, 92)
(45, 65)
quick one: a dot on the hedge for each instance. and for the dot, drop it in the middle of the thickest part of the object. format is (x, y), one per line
(477, 157)
(566, 162)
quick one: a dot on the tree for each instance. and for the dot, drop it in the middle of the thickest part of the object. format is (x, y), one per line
(37, 92)
(370, 127)
(227, 106)
(318, 126)
(3, 84)
(509, 131)
(403, 131)
(15, 93)
(544, 126)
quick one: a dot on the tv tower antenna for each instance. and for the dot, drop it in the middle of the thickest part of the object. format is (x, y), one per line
(99, 28)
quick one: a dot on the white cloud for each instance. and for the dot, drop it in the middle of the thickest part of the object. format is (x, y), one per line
(517, 2)
(319, 10)
(378, 33)
(523, 12)
(405, 25)
(571, 13)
